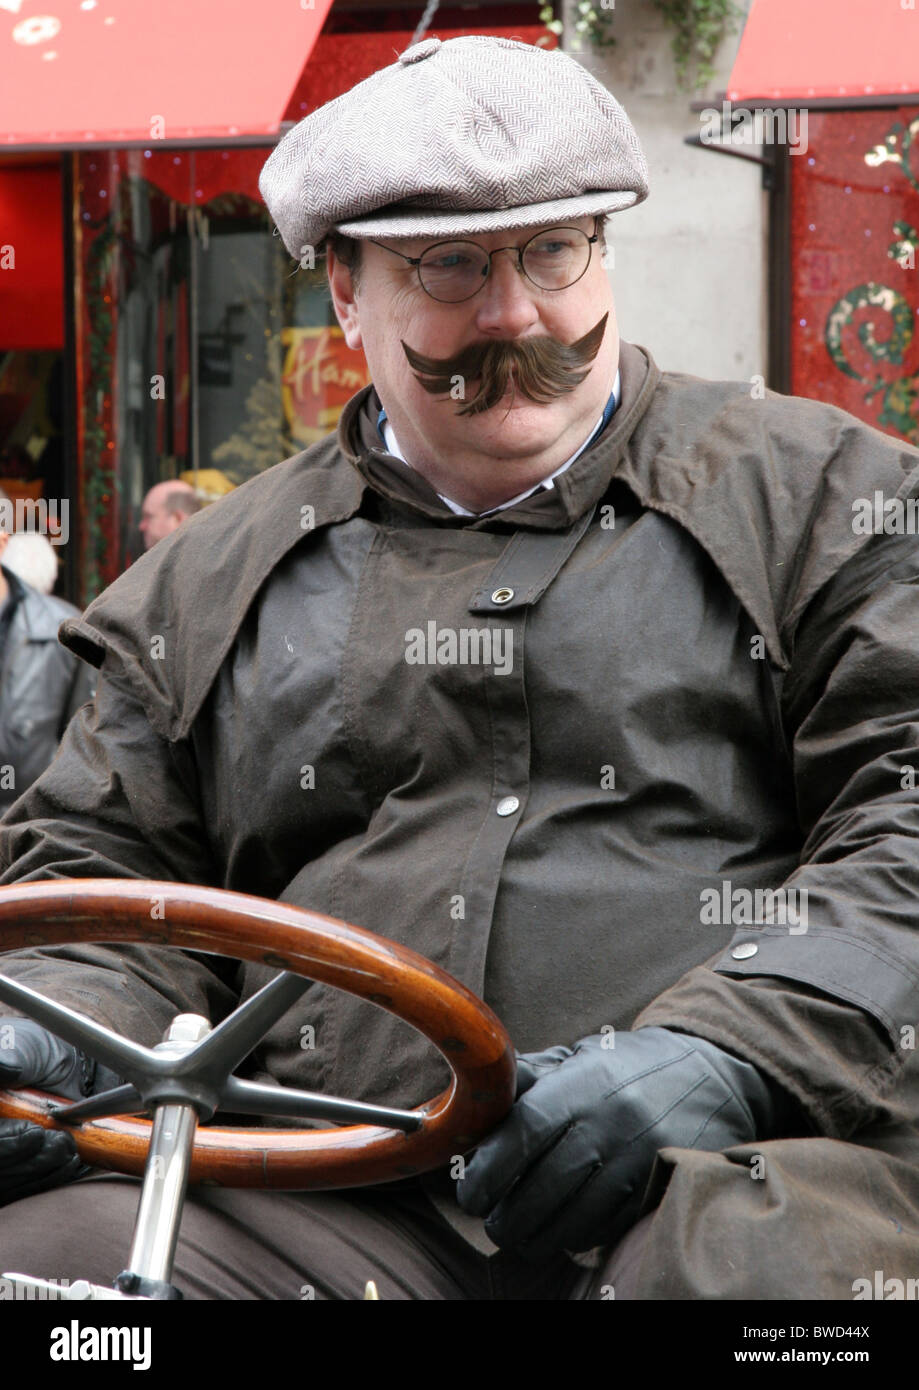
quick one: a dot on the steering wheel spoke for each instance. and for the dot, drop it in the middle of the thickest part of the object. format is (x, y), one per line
(228, 1044)
(123, 1057)
(120, 1100)
(253, 1098)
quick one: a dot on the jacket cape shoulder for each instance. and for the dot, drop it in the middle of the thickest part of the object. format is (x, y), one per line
(169, 621)
(768, 485)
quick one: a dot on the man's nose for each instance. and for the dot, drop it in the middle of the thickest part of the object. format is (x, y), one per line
(505, 305)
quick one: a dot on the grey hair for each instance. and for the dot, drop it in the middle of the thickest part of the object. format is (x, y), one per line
(31, 556)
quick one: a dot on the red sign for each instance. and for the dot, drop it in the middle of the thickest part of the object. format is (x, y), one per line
(320, 373)
(855, 266)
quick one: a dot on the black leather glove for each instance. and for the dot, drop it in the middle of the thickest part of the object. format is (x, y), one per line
(568, 1168)
(33, 1159)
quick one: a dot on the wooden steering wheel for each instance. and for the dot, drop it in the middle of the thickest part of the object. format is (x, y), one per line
(395, 1144)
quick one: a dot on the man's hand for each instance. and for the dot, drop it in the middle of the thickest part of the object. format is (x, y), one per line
(33, 1159)
(568, 1168)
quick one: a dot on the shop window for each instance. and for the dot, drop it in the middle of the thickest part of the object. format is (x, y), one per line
(855, 265)
(204, 352)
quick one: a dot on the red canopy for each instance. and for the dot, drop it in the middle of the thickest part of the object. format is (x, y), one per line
(31, 259)
(110, 71)
(840, 50)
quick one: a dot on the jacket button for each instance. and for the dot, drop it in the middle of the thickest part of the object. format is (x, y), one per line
(503, 595)
(745, 950)
(507, 806)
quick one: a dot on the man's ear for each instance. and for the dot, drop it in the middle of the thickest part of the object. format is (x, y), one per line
(4, 541)
(344, 300)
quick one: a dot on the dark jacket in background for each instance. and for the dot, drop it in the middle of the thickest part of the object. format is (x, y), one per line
(41, 687)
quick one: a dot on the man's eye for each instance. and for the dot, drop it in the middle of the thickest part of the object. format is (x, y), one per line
(449, 260)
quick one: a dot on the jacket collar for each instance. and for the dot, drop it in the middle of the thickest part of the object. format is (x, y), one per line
(656, 445)
(765, 487)
(744, 477)
(575, 491)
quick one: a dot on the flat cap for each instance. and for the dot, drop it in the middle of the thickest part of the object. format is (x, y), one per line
(473, 134)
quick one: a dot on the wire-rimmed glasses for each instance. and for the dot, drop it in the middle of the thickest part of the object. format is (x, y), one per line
(451, 271)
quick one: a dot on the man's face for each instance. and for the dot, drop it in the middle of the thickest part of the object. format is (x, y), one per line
(156, 519)
(481, 459)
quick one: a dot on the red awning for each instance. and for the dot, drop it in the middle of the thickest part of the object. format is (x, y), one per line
(830, 50)
(31, 260)
(112, 71)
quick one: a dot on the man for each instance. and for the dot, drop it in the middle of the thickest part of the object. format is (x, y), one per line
(41, 683)
(572, 675)
(165, 507)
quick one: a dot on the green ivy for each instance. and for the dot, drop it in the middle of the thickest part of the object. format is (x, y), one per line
(699, 26)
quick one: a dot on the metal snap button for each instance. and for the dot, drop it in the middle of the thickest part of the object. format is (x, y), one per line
(424, 49)
(507, 806)
(502, 596)
(745, 950)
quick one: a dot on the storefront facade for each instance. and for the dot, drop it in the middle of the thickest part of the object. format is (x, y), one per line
(841, 103)
(854, 249)
(190, 345)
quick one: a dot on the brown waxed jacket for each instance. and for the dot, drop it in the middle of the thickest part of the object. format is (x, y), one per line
(707, 679)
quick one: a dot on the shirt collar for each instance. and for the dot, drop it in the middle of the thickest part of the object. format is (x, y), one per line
(388, 436)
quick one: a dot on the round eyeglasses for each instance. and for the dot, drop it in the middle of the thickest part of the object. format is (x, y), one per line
(452, 271)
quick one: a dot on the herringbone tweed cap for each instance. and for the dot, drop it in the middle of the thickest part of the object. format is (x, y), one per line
(472, 135)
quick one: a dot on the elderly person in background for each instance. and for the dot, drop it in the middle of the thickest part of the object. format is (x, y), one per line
(164, 509)
(32, 557)
(706, 693)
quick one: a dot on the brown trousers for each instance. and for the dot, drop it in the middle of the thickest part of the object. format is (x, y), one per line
(791, 1219)
(237, 1244)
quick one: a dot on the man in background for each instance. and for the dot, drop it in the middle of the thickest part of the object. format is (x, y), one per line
(165, 507)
